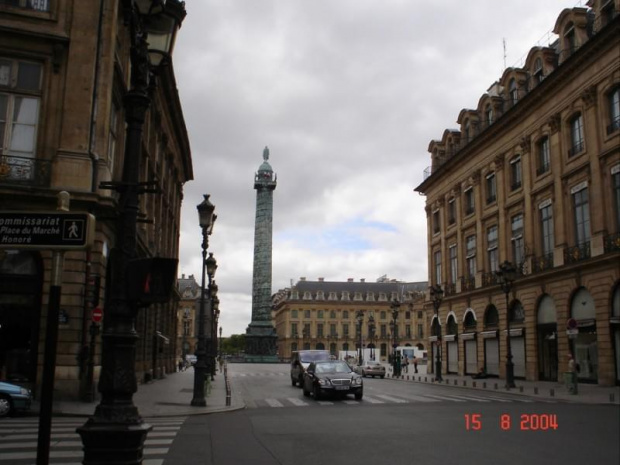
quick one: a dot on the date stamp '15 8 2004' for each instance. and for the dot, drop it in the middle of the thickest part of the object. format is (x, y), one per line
(526, 422)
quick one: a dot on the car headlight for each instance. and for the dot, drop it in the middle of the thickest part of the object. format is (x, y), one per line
(357, 381)
(323, 382)
(24, 391)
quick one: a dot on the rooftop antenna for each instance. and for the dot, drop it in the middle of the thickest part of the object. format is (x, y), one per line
(504, 43)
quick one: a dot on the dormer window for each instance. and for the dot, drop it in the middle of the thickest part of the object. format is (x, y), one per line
(345, 295)
(570, 43)
(320, 295)
(488, 115)
(382, 297)
(358, 296)
(333, 296)
(513, 91)
(467, 131)
(538, 71)
(307, 295)
(370, 297)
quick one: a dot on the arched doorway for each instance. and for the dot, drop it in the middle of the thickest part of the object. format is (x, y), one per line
(547, 330)
(320, 346)
(20, 314)
(470, 348)
(491, 341)
(584, 346)
(452, 348)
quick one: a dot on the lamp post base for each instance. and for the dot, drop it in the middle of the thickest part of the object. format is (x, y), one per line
(113, 443)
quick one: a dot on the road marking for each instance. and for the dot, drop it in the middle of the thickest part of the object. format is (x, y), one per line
(297, 402)
(499, 399)
(475, 399)
(274, 403)
(351, 402)
(392, 399)
(421, 398)
(323, 402)
(372, 400)
(445, 398)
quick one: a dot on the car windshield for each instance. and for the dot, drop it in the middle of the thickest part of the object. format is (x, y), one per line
(312, 356)
(333, 367)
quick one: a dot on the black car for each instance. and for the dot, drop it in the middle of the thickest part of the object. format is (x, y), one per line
(332, 377)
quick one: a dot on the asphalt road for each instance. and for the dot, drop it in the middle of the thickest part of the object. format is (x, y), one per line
(396, 423)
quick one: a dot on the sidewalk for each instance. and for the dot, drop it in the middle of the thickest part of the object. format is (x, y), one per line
(587, 393)
(170, 396)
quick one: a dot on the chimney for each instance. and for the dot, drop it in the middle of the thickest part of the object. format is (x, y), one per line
(321, 280)
(362, 280)
(183, 276)
(349, 280)
(303, 278)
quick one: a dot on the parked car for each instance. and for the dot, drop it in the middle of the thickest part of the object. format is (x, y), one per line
(300, 360)
(13, 398)
(371, 368)
(333, 377)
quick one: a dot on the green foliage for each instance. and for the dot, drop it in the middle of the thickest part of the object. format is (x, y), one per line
(233, 345)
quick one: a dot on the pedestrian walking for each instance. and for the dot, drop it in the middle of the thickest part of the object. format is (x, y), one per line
(181, 366)
(406, 364)
(415, 364)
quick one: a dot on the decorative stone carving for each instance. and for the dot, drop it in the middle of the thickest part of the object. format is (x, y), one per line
(589, 96)
(525, 143)
(554, 122)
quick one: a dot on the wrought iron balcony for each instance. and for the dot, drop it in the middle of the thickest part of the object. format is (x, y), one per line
(612, 242)
(577, 253)
(25, 171)
(449, 289)
(542, 263)
(489, 278)
(468, 283)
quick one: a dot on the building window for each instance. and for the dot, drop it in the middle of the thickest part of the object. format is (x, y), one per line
(294, 329)
(581, 210)
(451, 211)
(469, 201)
(437, 262)
(307, 314)
(492, 248)
(470, 255)
(544, 159)
(569, 40)
(615, 173)
(491, 188)
(407, 315)
(332, 329)
(614, 110)
(345, 329)
(383, 331)
(420, 314)
(345, 314)
(514, 91)
(546, 225)
(420, 331)
(453, 264)
(518, 247)
(383, 314)
(319, 330)
(436, 224)
(576, 136)
(538, 71)
(408, 331)
(319, 314)
(488, 114)
(294, 313)
(20, 88)
(332, 314)
(515, 173)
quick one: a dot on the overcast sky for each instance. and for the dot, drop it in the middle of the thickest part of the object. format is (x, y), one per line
(347, 94)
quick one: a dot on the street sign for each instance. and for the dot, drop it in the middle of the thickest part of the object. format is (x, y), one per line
(46, 230)
(571, 323)
(97, 315)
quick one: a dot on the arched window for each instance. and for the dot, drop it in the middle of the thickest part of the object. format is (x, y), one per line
(470, 322)
(452, 327)
(517, 313)
(491, 317)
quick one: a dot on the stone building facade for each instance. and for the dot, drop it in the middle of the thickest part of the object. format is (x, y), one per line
(64, 69)
(323, 315)
(187, 316)
(532, 176)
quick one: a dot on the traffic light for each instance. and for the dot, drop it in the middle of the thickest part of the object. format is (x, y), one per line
(151, 280)
(93, 288)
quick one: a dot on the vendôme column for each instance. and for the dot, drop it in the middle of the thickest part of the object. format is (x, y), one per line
(261, 335)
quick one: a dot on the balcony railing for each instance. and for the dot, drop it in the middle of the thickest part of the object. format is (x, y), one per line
(577, 253)
(468, 283)
(25, 171)
(450, 288)
(542, 263)
(489, 278)
(612, 243)
(36, 5)
(614, 126)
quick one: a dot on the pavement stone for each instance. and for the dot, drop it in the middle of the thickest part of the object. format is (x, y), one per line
(549, 390)
(165, 397)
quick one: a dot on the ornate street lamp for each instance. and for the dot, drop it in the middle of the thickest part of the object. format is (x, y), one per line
(437, 297)
(214, 305)
(371, 335)
(359, 317)
(395, 307)
(116, 432)
(206, 220)
(506, 276)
